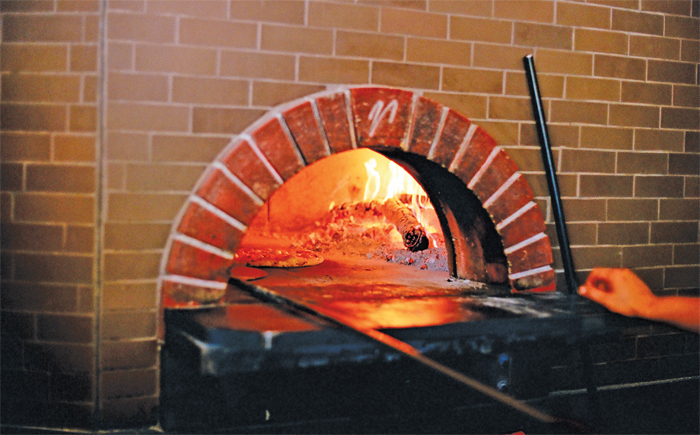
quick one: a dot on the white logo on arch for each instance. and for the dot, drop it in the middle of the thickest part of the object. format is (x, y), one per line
(379, 112)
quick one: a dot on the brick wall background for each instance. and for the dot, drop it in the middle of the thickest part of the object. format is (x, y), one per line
(112, 109)
(49, 153)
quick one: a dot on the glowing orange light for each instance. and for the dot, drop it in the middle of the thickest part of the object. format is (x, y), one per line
(393, 181)
(400, 313)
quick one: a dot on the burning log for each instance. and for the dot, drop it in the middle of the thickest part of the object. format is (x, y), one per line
(414, 236)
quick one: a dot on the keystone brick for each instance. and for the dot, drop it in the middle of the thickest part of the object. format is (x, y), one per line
(381, 116)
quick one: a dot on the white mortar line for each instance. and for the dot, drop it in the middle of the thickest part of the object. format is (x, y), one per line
(531, 272)
(351, 122)
(457, 159)
(625, 385)
(505, 186)
(100, 208)
(231, 176)
(475, 179)
(438, 133)
(254, 146)
(290, 138)
(408, 134)
(515, 215)
(204, 246)
(321, 128)
(219, 213)
(524, 243)
(197, 282)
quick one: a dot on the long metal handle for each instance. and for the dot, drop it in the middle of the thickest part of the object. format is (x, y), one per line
(406, 349)
(549, 168)
(559, 221)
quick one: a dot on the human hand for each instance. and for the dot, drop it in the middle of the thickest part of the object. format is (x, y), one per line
(619, 290)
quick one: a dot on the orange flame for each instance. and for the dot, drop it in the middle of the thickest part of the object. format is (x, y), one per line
(396, 182)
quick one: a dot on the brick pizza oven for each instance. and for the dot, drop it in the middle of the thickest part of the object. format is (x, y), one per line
(399, 123)
(458, 163)
(133, 168)
(234, 363)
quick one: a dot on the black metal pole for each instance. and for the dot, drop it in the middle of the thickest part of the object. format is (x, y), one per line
(558, 213)
(549, 168)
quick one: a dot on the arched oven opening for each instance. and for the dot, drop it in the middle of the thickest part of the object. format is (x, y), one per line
(336, 234)
(363, 206)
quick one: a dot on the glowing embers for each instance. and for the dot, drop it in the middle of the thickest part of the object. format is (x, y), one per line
(357, 204)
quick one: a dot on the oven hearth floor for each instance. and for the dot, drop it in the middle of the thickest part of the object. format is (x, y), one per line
(426, 308)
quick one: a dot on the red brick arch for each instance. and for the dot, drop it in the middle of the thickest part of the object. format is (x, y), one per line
(239, 181)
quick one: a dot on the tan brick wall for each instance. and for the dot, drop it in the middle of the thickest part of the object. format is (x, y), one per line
(49, 110)
(182, 78)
